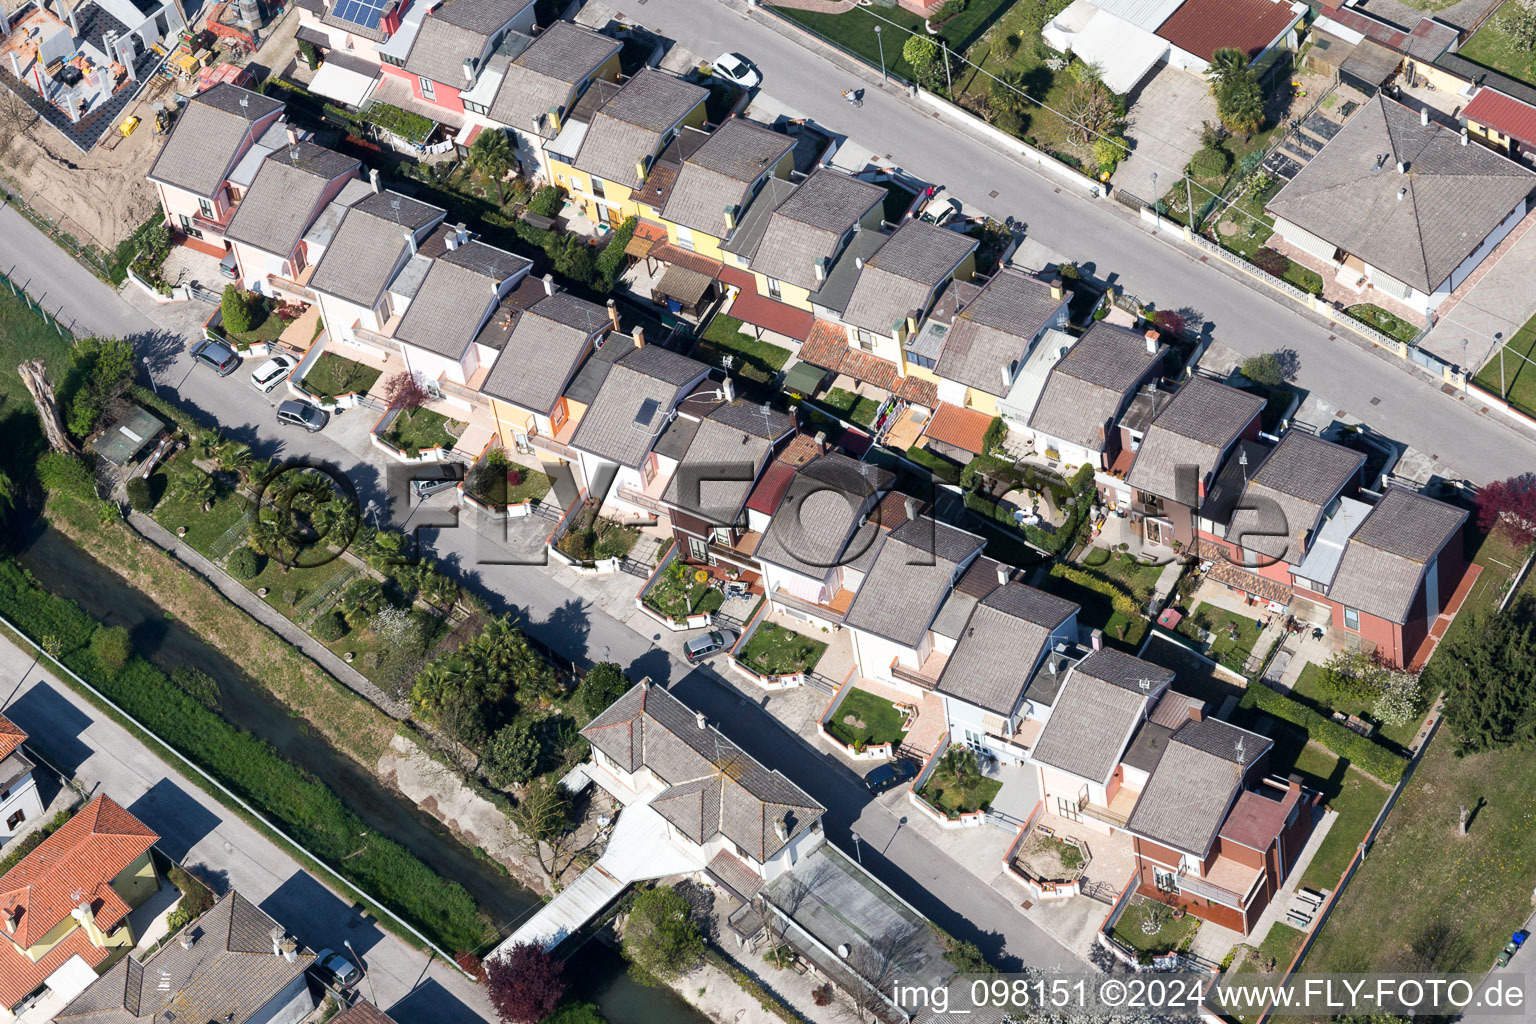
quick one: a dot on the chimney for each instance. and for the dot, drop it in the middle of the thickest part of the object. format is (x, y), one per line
(820, 269)
(1424, 116)
(290, 950)
(1463, 136)
(639, 336)
(781, 828)
(1197, 712)
(1058, 288)
(821, 441)
(912, 323)
(469, 70)
(451, 242)
(410, 239)
(640, 169)
(1293, 783)
(1402, 168)
(729, 390)
(12, 919)
(463, 231)
(1096, 640)
(553, 113)
(910, 507)
(613, 314)
(1402, 194)
(1007, 369)
(645, 684)
(698, 717)
(293, 134)
(549, 284)
(1152, 340)
(1002, 574)
(730, 218)
(373, 179)
(188, 938)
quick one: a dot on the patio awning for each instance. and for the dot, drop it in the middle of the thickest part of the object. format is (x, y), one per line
(682, 284)
(310, 34)
(343, 82)
(639, 246)
(803, 378)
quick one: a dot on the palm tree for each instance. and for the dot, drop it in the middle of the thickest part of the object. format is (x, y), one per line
(235, 457)
(269, 536)
(207, 443)
(199, 486)
(361, 601)
(491, 156)
(7, 492)
(1227, 65)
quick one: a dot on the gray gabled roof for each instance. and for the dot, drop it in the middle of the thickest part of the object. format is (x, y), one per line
(817, 524)
(629, 127)
(283, 201)
(1000, 646)
(1196, 779)
(210, 134)
(1301, 476)
(913, 572)
(544, 351)
(713, 786)
(1100, 702)
(1417, 226)
(720, 174)
(543, 76)
(724, 458)
(369, 245)
(455, 31)
(230, 973)
(810, 223)
(451, 305)
(1086, 390)
(634, 404)
(1194, 429)
(904, 274)
(993, 330)
(1385, 561)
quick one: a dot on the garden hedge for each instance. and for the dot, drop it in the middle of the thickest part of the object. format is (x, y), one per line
(291, 798)
(1363, 753)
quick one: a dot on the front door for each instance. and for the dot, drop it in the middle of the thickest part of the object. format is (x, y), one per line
(1068, 809)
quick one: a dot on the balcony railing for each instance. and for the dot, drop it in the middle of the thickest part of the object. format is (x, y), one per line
(218, 227)
(821, 611)
(1196, 886)
(463, 393)
(376, 340)
(549, 444)
(913, 676)
(289, 286)
(643, 500)
(1103, 814)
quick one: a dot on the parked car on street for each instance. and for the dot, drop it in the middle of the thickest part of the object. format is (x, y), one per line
(332, 968)
(271, 373)
(889, 775)
(431, 479)
(302, 414)
(733, 67)
(708, 645)
(224, 359)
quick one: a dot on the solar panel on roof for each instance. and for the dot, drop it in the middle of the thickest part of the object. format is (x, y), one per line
(366, 13)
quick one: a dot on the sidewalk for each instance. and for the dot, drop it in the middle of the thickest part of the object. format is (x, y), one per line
(264, 613)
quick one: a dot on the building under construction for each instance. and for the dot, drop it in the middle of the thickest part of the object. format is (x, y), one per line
(79, 64)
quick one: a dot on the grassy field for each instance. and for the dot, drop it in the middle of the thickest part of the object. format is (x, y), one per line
(1383, 321)
(1134, 576)
(1171, 936)
(1451, 899)
(1098, 611)
(1232, 651)
(24, 334)
(852, 407)
(1309, 688)
(1492, 47)
(337, 375)
(1518, 377)
(420, 428)
(776, 651)
(854, 30)
(755, 359)
(874, 720)
(177, 508)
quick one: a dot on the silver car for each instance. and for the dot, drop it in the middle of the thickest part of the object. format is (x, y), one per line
(709, 645)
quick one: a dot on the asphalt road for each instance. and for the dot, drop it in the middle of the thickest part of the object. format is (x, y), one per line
(197, 831)
(60, 285)
(1099, 235)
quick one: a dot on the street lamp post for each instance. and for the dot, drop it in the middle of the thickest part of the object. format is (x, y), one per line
(858, 851)
(1157, 216)
(880, 42)
(359, 961)
(151, 375)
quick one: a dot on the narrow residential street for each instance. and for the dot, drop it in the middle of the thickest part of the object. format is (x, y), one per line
(1101, 237)
(198, 831)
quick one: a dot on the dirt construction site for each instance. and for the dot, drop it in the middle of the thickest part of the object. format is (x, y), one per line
(102, 196)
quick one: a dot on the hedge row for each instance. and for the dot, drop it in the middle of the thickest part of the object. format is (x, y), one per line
(291, 798)
(1359, 751)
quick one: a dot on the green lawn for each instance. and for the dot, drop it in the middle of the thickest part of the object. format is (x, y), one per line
(939, 465)
(863, 719)
(270, 329)
(420, 428)
(1232, 651)
(1134, 576)
(1122, 631)
(1386, 323)
(1279, 947)
(775, 651)
(1492, 47)
(679, 598)
(491, 487)
(755, 359)
(949, 794)
(1309, 688)
(24, 335)
(854, 30)
(177, 508)
(853, 407)
(288, 590)
(1512, 377)
(333, 375)
(1173, 935)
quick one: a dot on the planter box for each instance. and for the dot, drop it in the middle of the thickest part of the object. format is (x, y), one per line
(433, 454)
(179, 293)
(691, 622)
(519, 510)
(600, 567)
(877, 752)
(971, 819)
(772, 682)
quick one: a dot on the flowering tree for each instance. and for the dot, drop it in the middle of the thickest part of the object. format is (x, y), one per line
(1510, 505)
(526, 984)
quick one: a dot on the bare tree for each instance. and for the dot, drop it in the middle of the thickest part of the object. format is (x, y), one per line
(544, 830)
(35, 376)
(16, 117)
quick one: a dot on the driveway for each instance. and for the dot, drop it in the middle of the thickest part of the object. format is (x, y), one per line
(1491, 305)
(1165, 119)
(200, 833)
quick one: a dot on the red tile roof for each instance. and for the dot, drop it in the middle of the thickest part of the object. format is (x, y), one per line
(963, 428)
(678, 256)
(1204, 26)
(825, 345)
(770, 488)
(11, 737)
(1504, 114)
(76, 864)
(919, 391)
(19, 976)
(363, 1012)
(802, 448)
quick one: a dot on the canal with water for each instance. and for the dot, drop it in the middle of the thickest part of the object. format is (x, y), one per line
(596, 971)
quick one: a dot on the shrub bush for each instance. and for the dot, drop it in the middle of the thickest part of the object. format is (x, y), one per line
(139, 496)
(245, 563)
(329, 627)
(65, 474)
(111, 647)
(1210, 162)
(547, 201)
(236, 307)
(1363, 753)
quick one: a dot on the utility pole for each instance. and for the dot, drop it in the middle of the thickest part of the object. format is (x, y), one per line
(948, 82)
(1157, 215)
(1189, 194)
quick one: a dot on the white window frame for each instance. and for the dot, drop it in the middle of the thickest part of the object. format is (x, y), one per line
(1165, 879)
(1352, 613)
(775, 289)
(865, 339)
(428, 87)
(684, 238)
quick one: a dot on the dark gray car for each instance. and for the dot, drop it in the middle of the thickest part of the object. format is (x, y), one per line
(224, 359)
(302, 414)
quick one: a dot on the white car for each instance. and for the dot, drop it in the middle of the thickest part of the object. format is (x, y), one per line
(271, 373)
(733, 67)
